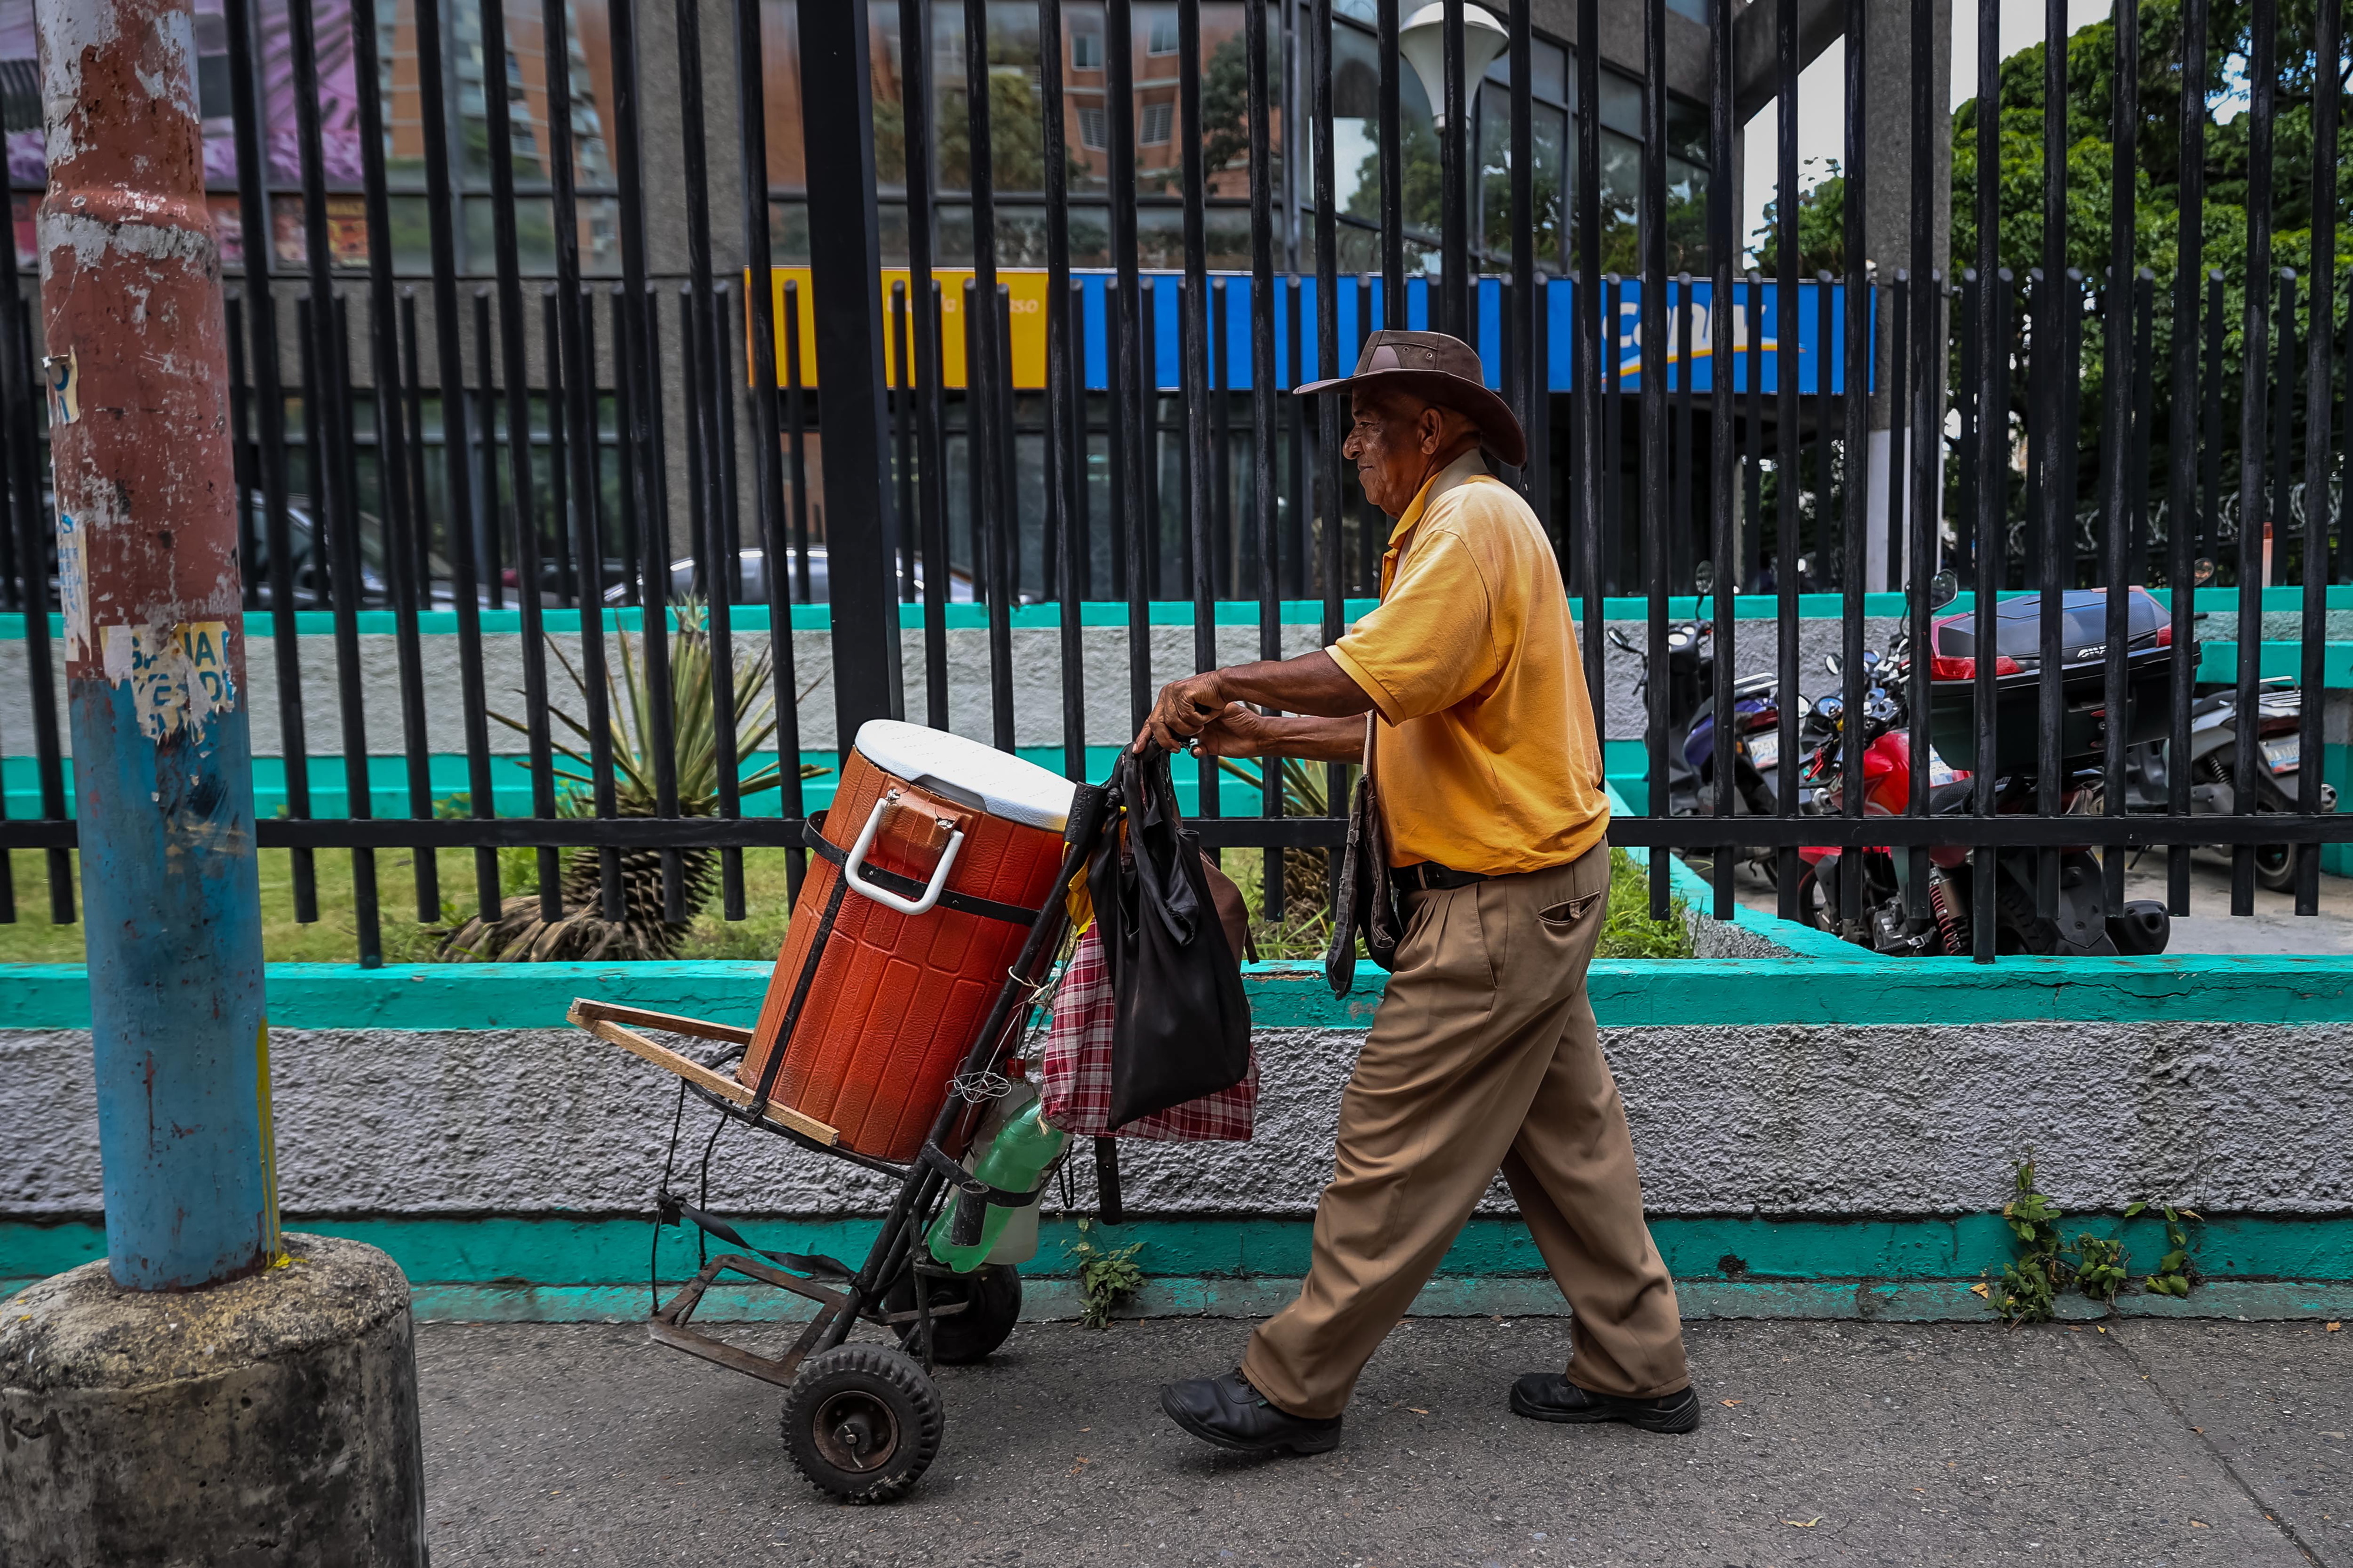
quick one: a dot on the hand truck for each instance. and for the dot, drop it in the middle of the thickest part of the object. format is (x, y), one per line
(864, 1421)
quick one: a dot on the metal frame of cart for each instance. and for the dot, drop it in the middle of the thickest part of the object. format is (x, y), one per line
(863, 1421)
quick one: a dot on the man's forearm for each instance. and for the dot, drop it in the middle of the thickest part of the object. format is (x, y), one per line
(1314, 739)
(1313, 683)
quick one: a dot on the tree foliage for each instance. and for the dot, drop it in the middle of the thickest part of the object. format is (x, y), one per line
(2087, 149)
(1821, 226)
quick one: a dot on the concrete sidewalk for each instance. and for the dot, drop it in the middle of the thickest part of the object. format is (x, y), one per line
(2153, 1443)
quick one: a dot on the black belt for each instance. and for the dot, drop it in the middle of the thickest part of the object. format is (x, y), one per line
(1429, 877)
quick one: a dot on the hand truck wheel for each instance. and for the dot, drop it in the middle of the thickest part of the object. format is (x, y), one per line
(992, 1299)
(862, 1422)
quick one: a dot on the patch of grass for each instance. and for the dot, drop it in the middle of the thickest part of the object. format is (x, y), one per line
(2175, 1271)
(2032, 1281)
(1108, 1276)
(333, 937)
(1627, 932)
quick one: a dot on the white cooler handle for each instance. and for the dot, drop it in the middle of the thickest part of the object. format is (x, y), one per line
(883, 895)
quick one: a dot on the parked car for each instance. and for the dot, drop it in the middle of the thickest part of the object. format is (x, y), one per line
(683, 580)
(313, 589)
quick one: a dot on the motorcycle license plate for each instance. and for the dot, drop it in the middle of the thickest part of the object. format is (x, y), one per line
(1764, 750)
(2281, 754)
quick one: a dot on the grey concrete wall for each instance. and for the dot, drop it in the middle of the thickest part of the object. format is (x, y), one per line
(1791, 1119)
(1037, 665)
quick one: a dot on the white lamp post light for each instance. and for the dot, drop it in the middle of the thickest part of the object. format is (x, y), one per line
(1423, 41)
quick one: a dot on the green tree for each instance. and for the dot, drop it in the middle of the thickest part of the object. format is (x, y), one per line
(2089, 73)
(1225, 106)
(1423, 182)
(1017, 131)
(1821, 229)
(2089, 150)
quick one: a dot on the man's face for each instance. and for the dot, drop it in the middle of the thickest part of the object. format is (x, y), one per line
(1391, 441)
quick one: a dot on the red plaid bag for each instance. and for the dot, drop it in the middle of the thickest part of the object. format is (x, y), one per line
(1075, 1069)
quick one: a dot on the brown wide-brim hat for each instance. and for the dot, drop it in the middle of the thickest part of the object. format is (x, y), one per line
(1439, 369)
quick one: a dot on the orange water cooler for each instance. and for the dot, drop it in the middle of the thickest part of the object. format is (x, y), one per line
(922, 882)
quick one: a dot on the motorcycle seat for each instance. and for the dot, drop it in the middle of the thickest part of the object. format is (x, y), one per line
(1951, 799)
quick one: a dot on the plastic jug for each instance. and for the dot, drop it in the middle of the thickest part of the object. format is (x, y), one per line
(1015, 1147)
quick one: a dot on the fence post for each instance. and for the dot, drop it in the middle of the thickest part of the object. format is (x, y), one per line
(845, 259)
(137, 371)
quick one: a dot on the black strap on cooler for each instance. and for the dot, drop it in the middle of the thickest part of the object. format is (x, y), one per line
(974, 1197)
(776, 1062)
(670, 1208)
(908, 888)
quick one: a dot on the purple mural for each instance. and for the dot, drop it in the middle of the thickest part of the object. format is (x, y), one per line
(338, 99)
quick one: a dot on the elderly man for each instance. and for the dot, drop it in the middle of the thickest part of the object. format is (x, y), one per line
(1487, 771)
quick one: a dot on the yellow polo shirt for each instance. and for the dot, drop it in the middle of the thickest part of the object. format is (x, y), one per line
(1488, 759)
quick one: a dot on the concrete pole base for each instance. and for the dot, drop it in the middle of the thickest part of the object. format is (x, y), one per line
(270, 1420)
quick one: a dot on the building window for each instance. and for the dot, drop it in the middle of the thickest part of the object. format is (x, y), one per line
(1094, 131)
(1086, 52)
(1153, 130)
(1163, 35)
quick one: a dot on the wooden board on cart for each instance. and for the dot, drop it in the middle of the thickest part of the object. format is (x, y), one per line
(618, 1024)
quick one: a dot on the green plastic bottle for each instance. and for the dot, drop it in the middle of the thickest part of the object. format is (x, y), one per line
(1015, 1147)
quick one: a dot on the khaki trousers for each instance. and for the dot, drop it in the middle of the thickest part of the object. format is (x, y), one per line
(1483, 1054)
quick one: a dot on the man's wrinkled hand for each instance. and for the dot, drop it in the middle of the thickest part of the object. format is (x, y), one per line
(1184, 708)
(1241, 730)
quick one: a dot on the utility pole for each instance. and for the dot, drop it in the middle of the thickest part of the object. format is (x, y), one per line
(208, 1387)
(137, 371)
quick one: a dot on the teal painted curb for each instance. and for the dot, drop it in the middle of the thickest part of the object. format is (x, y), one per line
(2218, 662)
(964, 615)
(1776, 1260)
(1626, 992)
(1057, 1300)
(1698, 894)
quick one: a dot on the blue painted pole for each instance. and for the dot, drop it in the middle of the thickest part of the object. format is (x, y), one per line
(137, 371)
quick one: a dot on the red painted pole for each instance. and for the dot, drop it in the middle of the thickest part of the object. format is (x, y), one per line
(138, 377)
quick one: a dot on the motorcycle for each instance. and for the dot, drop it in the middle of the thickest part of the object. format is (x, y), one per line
(1691, 688)
(2082, 923)
(1691, 724)
(2213, 765)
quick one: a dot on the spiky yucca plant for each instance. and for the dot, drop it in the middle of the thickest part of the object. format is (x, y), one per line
(521, 933)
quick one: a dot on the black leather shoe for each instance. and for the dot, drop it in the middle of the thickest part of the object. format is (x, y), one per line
(1229, 1412)
(1549, 1396)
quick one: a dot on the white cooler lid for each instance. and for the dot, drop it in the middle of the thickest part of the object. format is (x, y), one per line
(1008, 787)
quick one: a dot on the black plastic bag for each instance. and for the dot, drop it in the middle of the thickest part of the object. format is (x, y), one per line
(1183, 1025)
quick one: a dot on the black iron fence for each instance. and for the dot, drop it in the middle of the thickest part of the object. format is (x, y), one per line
(838, 407)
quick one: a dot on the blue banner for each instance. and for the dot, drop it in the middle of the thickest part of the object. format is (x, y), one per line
(1820, 315)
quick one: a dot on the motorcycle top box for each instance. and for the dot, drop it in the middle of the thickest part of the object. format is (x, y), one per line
(2018, 660)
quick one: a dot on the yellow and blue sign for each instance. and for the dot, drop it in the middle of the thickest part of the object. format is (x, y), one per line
(1821, 311)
